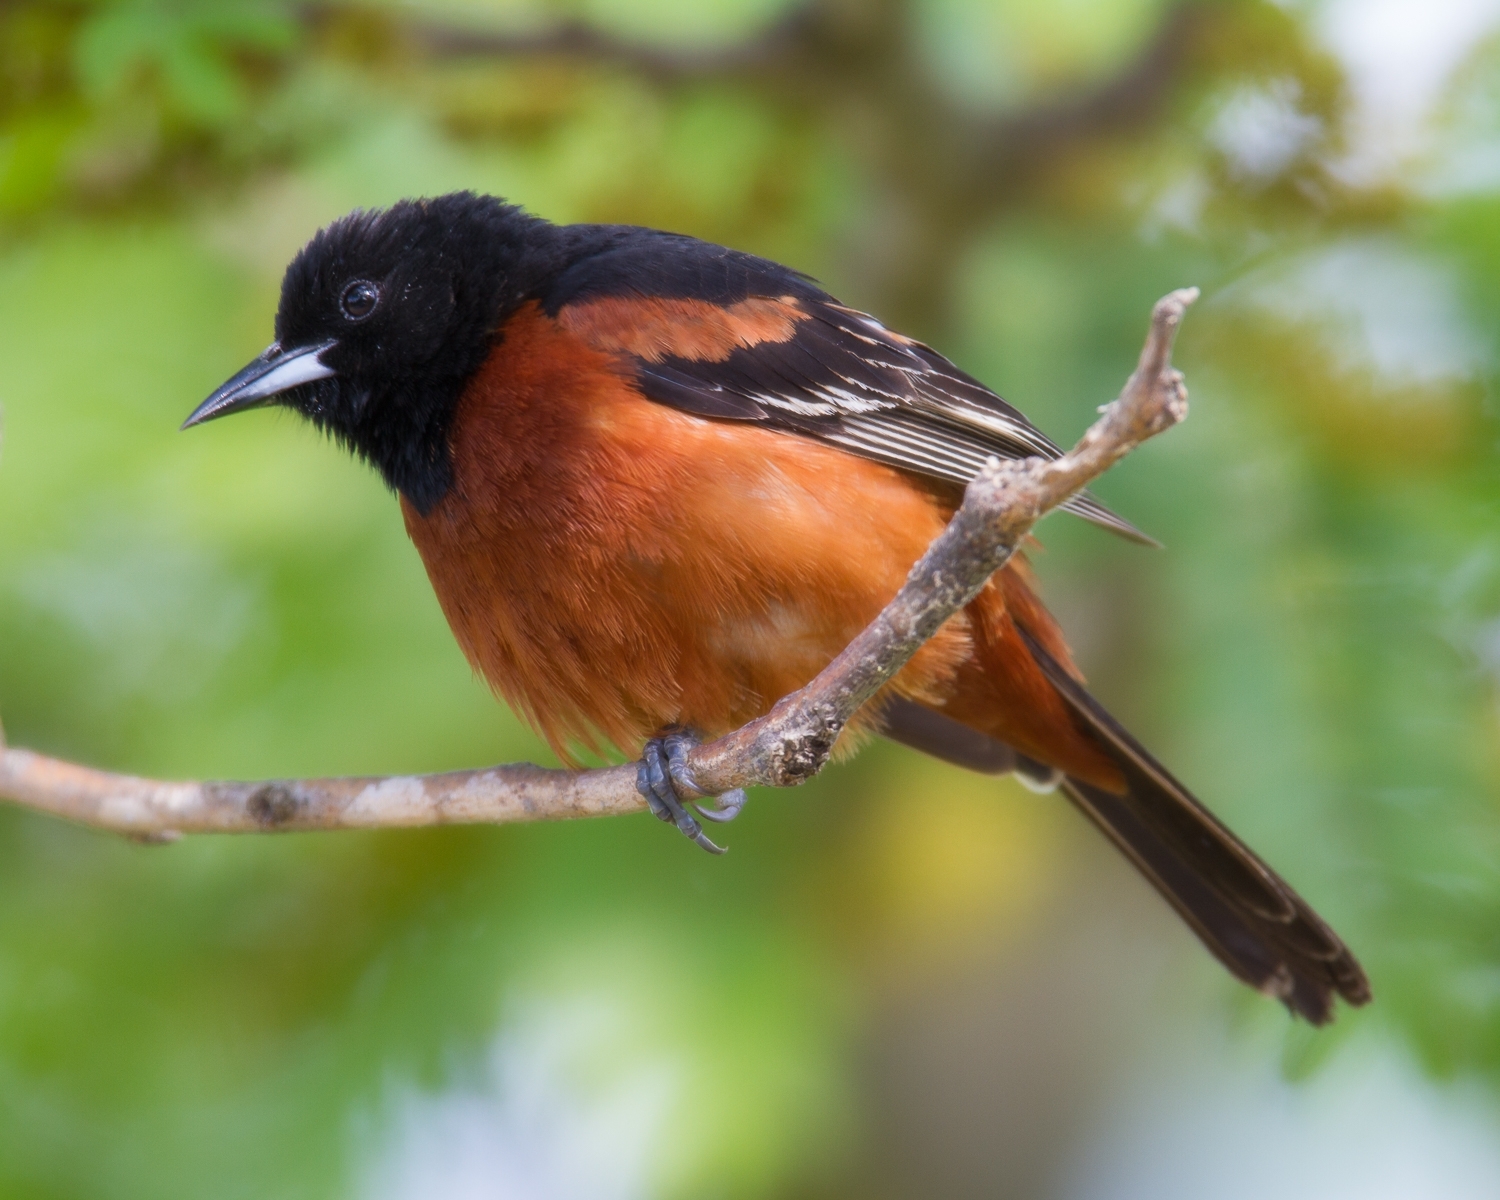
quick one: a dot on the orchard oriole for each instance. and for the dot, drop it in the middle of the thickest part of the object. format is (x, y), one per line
(658, 484)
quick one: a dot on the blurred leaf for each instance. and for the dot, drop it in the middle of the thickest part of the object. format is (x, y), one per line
(1317, 652)
(32, 154)
(1006, 52)
(187, 44)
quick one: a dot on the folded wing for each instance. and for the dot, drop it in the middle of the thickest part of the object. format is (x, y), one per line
(733, 337)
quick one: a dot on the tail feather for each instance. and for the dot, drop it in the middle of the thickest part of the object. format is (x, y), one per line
(1299, 961)
(1248, 916)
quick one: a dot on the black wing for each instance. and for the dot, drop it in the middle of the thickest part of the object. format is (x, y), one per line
(786, 354)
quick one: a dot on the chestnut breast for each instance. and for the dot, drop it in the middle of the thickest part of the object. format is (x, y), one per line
(612, 565)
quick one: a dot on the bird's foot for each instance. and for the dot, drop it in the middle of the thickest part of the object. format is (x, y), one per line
(664, 779)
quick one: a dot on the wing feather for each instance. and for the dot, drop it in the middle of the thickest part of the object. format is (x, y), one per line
(778, 351)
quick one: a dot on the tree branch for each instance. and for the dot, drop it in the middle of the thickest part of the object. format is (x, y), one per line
(788, 745)
(779, 43)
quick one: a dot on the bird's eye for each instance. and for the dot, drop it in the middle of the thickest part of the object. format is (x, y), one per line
(359, 300)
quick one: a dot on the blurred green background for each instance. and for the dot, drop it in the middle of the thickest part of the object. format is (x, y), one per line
(902, 980)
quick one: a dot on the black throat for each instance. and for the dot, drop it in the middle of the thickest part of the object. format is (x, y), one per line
(451, 270)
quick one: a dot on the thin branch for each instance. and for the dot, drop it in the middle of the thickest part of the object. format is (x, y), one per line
(792, 742)
(787, 746)
(946, 164)
(777, 44)
(816, 49)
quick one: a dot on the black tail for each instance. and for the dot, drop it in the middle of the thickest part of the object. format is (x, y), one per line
(1251, 919)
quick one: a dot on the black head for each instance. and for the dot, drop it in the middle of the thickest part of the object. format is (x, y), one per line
(384, 317)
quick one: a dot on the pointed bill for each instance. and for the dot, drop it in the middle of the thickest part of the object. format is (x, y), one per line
(274, 372)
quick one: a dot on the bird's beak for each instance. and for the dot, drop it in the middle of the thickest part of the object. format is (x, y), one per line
(274, 372)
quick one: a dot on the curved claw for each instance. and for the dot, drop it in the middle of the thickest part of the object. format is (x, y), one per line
(703, 839)
(729, 806)
(653, 781)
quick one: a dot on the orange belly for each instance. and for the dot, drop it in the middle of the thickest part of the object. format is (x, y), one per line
(613, 566)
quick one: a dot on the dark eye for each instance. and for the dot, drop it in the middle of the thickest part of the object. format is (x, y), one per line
(359, 299)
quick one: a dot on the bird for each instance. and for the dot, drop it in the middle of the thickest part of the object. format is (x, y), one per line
(657, 484)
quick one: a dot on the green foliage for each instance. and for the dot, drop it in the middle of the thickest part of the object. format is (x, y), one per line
(1315, 652)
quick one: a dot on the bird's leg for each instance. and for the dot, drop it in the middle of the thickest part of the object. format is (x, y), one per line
(664, 779)
(654, 781)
